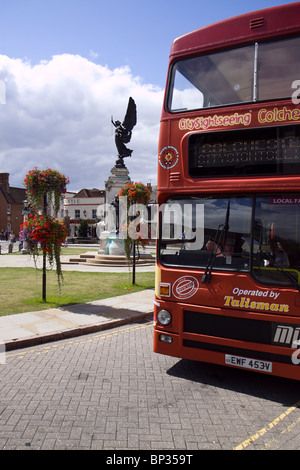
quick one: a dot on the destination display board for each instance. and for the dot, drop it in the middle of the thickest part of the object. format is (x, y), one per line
(245, 152)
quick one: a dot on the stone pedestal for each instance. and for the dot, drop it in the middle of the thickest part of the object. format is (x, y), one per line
(119, 176)
(109, 242)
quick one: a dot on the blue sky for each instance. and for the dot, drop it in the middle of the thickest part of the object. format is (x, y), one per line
(137, 33)
(68, 65)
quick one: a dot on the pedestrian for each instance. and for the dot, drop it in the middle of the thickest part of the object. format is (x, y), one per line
(12, 240)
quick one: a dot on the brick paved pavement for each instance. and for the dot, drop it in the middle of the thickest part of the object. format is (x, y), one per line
(109, 390)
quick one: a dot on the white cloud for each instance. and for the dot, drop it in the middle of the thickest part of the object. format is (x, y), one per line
(93, 54)
(57, 114)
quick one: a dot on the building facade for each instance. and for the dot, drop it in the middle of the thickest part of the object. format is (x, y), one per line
(11, 206)
(82, 207)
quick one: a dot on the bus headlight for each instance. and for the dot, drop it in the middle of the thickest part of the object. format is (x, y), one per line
(164, 317)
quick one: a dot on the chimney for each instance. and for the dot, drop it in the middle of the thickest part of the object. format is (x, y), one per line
(4, 181)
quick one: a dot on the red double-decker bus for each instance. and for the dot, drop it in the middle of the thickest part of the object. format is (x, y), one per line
(228, 253)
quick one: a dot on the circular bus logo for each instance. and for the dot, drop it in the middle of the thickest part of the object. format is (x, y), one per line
(168, 157)
(185, 287)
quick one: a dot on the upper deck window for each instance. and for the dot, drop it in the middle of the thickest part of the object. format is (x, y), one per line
(245, 74)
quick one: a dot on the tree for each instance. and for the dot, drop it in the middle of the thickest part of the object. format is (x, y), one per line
(83, 229)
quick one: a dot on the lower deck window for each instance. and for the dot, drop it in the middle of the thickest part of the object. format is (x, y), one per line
(259, 234)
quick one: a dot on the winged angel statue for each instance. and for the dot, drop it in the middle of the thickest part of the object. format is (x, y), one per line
(123, 132)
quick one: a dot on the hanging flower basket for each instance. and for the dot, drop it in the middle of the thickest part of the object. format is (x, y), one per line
(38, 183)
(47, 234)
(136, 193)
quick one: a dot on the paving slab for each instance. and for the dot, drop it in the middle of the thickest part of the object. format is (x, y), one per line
(32, 328)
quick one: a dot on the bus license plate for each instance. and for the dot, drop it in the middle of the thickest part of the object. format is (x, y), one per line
(247, 363)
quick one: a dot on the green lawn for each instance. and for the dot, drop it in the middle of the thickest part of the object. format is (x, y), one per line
(21, 288)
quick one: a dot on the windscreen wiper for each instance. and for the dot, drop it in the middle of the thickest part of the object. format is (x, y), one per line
(220, 234)
(294, 283)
